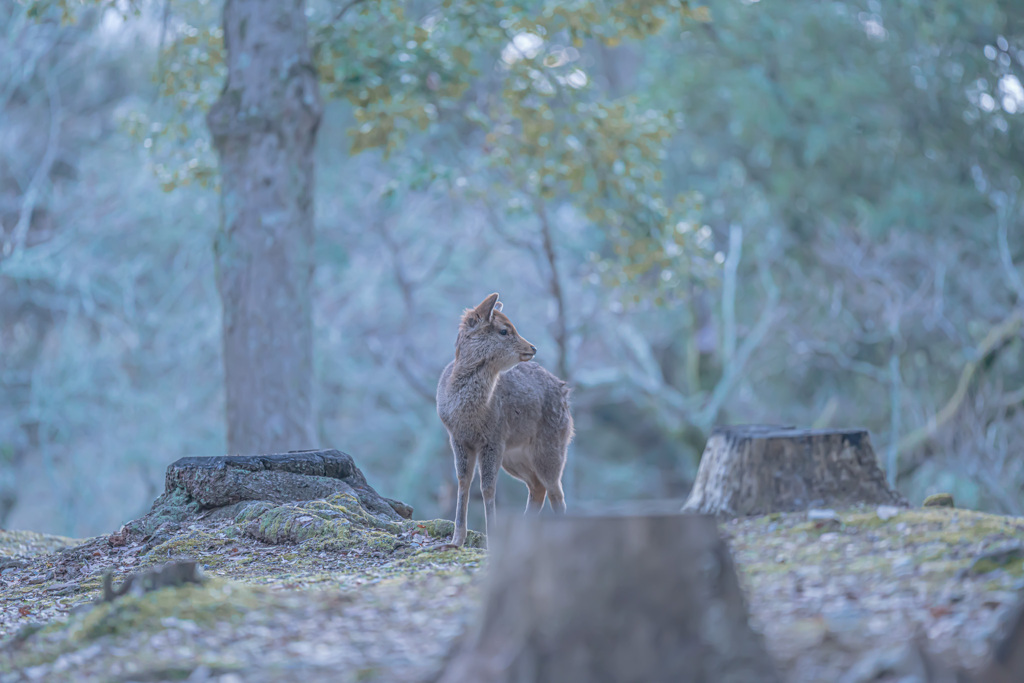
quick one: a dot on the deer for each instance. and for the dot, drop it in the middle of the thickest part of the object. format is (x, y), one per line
(502, 410)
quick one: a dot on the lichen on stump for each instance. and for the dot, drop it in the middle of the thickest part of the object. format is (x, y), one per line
(757, 469)
(584, 599)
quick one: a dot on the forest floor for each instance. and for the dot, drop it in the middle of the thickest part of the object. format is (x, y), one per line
(839, 598)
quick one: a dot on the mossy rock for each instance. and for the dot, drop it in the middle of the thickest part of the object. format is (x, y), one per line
(201, 546)
(338, 522)
(938, 500)
(281, 478)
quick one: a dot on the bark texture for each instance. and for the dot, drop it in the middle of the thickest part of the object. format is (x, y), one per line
(757, 469)
(616, 599)
(264, 128)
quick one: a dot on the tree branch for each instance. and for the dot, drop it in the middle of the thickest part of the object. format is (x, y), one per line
(1005, 258)
(732, 262)
(32, 192)
(996, 337)
(707, 414)
(345, 8)
(554, 283)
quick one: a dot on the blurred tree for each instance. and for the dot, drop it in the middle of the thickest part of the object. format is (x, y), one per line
(264, 129)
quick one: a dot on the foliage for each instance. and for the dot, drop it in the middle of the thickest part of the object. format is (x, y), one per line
(887, 172)
(502, 80)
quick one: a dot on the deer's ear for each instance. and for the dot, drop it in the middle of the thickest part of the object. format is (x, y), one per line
(496, 309)
(486, 308)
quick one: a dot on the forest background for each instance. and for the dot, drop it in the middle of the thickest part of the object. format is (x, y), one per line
(795, 212)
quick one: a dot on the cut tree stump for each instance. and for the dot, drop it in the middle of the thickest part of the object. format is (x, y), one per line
(757, 469)
(616, 599)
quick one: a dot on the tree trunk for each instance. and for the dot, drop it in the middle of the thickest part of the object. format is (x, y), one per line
(264, 128)
(757, 469)
(617, 599)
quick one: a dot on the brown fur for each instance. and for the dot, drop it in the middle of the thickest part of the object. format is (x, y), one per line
(502, 410)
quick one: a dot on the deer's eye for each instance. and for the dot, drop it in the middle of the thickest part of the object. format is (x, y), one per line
(503, 332)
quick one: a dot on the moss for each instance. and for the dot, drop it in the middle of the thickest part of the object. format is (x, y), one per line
(938, 500)
(32, 543)
(442, 530)
(1009, 559)
(336, 523)
(252, 511)
(350, 506)
(197, 545)
(173, 506)
(934, 544)
(460, 557)
(204, 605)
(378, 540)
(290, 524)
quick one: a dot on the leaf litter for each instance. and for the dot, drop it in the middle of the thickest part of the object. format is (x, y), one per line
(838, 596)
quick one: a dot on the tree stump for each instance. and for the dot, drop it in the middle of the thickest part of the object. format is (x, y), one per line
(217, 488)
(757, 469)
(616, 599)
(279, 478)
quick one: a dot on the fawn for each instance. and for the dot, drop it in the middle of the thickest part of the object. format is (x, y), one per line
(502, 410)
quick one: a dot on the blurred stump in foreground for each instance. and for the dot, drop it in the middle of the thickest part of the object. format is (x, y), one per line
(1006, 663)
(757, 469)
(591, 599)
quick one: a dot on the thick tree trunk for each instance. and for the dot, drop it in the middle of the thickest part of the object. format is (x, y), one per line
(757, 469)
(264, 127)
(616, 599)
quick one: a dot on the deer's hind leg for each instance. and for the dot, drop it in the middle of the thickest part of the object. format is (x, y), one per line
(557, 497)
(519, 462)
(535, 500)
(490, 465)
(549, 463)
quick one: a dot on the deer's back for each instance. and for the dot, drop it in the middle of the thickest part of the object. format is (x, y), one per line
(528, 403)
(533, 402)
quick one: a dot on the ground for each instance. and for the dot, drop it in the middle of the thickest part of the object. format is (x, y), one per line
(837, 597)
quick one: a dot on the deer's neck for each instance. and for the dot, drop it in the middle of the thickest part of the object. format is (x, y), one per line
(473, 381)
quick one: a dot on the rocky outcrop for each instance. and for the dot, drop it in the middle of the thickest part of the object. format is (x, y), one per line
(220, 487)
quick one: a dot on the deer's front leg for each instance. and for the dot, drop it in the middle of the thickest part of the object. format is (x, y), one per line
(465, 463)
(490, 464)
